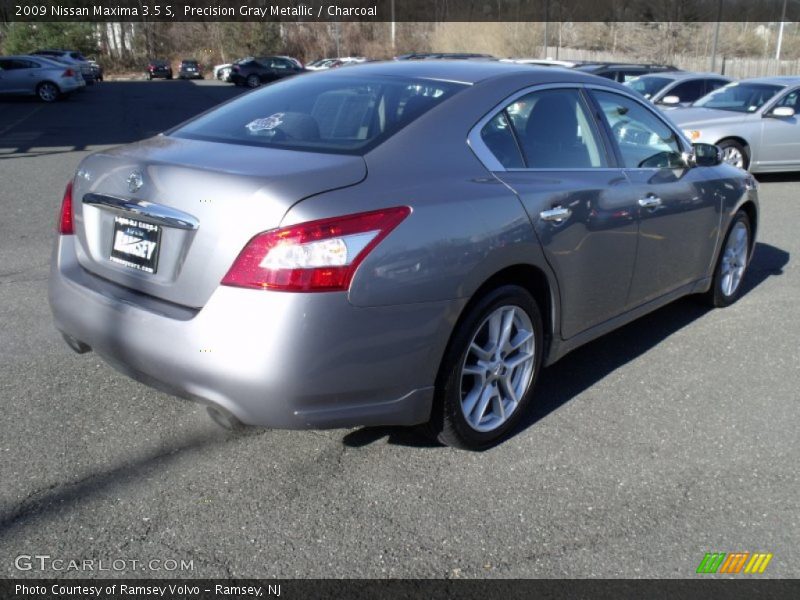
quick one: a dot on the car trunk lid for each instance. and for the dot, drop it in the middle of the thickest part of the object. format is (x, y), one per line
(168, 216)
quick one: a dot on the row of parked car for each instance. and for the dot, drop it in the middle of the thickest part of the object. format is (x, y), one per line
(47, 74)
(753, 121)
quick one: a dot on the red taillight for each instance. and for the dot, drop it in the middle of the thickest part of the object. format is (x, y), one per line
(69, 73)
(65, 222)
(318, 256)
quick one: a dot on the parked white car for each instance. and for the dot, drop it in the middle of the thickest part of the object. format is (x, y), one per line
(72, 57)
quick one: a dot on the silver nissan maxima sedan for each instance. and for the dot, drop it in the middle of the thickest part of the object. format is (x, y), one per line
(398, 244)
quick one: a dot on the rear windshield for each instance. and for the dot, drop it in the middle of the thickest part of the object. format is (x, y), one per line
(319, 113)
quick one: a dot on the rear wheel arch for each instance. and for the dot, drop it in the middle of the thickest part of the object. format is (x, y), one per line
(536, 282)
(751, 211)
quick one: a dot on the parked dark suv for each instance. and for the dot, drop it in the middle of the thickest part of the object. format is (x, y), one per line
(623, 72)
(264, 69)
(159, 69)
(190, 69)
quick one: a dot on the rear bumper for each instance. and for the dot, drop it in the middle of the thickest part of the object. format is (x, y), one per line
(69, 85)
(273, 359)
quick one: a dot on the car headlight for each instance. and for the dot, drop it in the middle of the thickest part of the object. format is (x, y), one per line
(692, 134)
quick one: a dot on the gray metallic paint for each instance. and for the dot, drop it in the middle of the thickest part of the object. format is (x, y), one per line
(371, 356)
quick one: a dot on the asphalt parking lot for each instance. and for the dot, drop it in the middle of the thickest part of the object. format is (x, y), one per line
(670, 438)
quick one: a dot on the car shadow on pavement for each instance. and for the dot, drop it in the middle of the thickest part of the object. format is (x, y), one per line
(587, 365)
(57, 498)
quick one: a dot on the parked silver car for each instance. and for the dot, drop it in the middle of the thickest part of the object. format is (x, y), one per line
(72, 57)
(676, 88)
(37, 76)
(754, 121)
(403, 243)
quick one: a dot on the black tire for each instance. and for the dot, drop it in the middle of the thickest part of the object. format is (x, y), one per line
(149, 77)
(253, 81)
(48, 92)
(716, 295)
(728, 146)
(448, 423)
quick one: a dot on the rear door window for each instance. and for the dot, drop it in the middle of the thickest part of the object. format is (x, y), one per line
(556, 131)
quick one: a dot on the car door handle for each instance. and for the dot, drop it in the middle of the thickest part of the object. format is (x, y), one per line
(650, 201)
(557, 214)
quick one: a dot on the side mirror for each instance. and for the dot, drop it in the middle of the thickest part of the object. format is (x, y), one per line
(782, 112)
(670, 100)
(706, 155)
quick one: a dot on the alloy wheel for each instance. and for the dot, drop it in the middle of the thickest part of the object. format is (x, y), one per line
(48, 92)
(734, 259)
(498, 368)
(733, 156)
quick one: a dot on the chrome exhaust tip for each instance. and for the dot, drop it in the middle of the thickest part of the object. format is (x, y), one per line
(76, 345)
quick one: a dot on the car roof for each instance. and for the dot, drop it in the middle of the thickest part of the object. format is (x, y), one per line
(598, 66)
(45, 59)
(784, 80)
(463, 71)
(678, 75)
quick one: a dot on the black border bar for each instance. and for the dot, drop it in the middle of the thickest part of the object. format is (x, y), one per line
(397, 589)
(399, 10)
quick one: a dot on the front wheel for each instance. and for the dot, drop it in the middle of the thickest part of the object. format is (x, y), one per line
(488, 370)
(734, 154)
(732, 263)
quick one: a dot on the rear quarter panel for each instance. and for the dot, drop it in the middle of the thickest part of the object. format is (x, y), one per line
(465, 225)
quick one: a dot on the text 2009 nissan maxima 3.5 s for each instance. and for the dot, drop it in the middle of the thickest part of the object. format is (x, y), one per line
(395, 244)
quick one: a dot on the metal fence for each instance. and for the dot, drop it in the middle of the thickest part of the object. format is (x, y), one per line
(739, 68)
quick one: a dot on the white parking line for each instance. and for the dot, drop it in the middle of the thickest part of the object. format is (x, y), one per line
(20, 120)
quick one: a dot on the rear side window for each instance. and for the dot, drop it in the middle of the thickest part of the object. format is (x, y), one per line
(556, 131)
(321, 113)
(500, 140)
